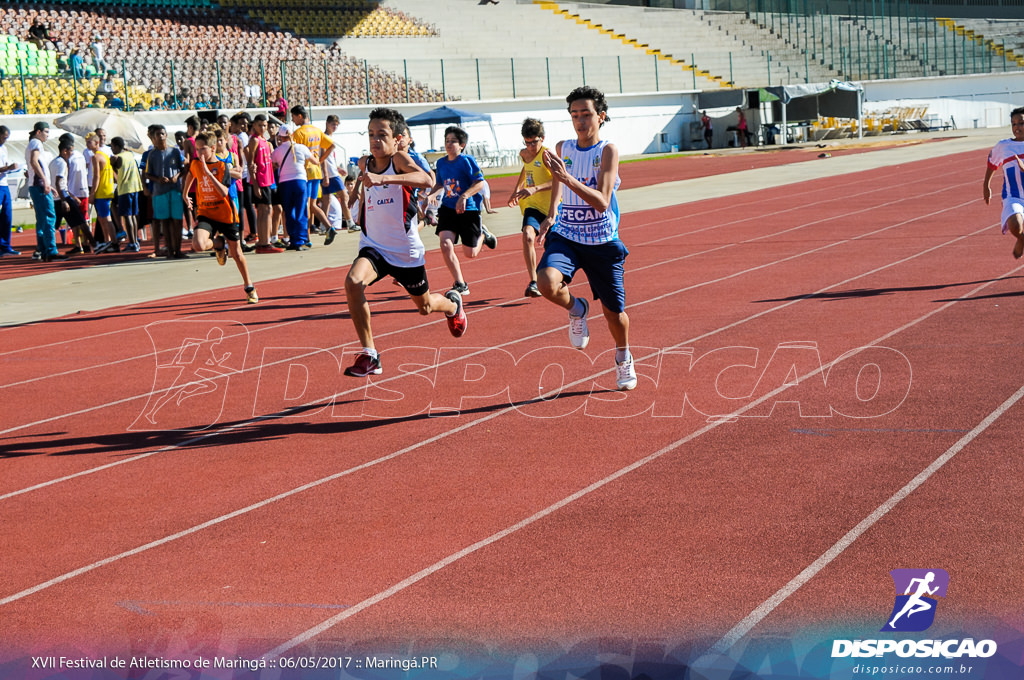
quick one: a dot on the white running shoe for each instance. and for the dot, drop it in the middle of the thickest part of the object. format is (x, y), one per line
(579, 334)
(625, 374)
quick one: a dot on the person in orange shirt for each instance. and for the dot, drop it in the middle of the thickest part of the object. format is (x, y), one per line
(217, 219)
(312, 138)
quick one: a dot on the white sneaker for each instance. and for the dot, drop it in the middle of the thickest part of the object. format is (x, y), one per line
(625, 374)
(579, 334)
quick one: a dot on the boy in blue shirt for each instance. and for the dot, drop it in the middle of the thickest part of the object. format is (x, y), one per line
(459, 180)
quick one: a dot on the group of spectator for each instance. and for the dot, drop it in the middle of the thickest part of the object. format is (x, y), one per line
(127, 193)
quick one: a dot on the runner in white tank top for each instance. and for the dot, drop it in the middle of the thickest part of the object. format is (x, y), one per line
(585, 174)
(384, 207)
(390, 244)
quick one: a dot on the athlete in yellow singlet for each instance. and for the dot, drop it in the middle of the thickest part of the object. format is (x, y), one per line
(102, 191)
(533, 195)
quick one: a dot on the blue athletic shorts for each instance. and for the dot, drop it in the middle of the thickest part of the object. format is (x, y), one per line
(128, 204)
(602, 263)
(102, 207)
(167, 206)
(334, 185)
(313, 189)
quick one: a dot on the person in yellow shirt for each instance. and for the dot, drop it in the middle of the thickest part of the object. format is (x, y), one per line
(102, 192)
(129, 188)
(532, 194)
(311, 137)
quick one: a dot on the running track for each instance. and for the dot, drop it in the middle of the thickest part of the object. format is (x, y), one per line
(316, 512)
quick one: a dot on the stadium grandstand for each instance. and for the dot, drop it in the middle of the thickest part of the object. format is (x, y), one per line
(187, 54)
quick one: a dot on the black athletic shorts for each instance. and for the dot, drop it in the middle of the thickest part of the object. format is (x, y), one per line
(230, 232)
(465, 226)
(266, 196)
(413, 279)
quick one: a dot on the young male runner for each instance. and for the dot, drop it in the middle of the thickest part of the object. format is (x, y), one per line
(390, 244)
(583, 232)
(217, 219)
(1008, 154)
(459, 180)
(532, 194)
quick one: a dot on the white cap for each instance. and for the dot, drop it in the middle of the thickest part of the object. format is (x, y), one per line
(286, 129)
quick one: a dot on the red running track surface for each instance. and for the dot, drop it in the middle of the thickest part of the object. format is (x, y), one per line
(316, 510)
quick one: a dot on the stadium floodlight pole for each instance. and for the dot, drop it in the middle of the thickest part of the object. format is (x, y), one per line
(124, 79)
(174, 88)
(284, 82)
(657, 87)
(220, 93)
(263, 84)
(945, 51)
(366, 77)
(768, 61)
(21, 73)
(732, 78)
(479, 95)
(405, 68)
(547, 67)
(327, 85)
(444, 93)
(583, 73)
(512, 65)
(309, 88)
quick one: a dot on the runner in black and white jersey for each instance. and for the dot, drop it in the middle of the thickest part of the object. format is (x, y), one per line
(390, 244)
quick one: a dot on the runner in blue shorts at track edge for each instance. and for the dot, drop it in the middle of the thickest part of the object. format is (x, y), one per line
(390, 243)
(1008, 155)
(583, 232)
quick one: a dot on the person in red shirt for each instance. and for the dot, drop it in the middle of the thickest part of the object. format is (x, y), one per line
(217, 220)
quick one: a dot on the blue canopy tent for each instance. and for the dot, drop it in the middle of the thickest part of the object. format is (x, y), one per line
(446, 115)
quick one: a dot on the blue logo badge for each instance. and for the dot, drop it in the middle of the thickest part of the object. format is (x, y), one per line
(916, 592)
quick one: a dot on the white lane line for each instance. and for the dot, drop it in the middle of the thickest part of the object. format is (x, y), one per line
(223, 518)
(770, 604)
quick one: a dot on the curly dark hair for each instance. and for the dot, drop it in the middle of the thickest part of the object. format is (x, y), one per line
(532, 128)
(592, 93)
(395, 119)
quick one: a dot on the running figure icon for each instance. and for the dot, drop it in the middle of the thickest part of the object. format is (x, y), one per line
(916, 603)
(198, 366)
